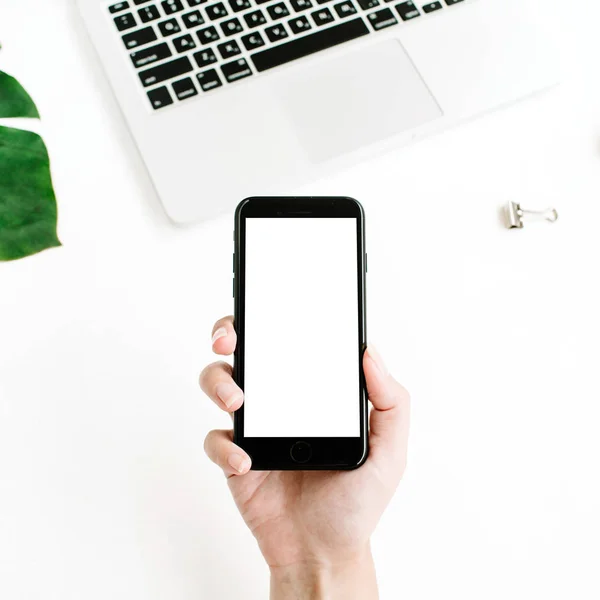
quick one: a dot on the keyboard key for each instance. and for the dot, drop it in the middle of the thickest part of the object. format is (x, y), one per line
(231, 27)
(148, 13)
(238, 69)
(184, 88)
(382, 18)
(253, 41)
(276, 33)
(299, 24)
(300, 5)
(139, 37)
(147, 56)
(229, 49)
(209, 80)
(118, 7)
(140, 1)
(205, 57)
(169, 27)
(172, 6)
(192, 19)
(451, 2)
(184, 43)
(160, 97)
(193, 3)
(345, 9)
(277, 11)
(216, 11)
(323, 16)
(238, 5)
(407, 11)
(254, 19)
(126, 21)
(309, 44)
(432, 6)
(207, 35)
(260, 1)
(367, 4)
(324, 1)
(169, 70)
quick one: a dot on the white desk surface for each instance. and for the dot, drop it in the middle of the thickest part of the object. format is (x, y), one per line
(104, 488)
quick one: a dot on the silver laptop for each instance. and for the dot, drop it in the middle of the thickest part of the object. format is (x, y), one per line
(232, 98)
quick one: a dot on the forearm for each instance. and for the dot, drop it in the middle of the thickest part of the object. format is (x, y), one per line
(349, 580)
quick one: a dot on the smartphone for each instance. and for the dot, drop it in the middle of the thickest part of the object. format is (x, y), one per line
(299, 290)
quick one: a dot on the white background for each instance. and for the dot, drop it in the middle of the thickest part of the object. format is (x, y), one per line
(301, 328)
(104, 488)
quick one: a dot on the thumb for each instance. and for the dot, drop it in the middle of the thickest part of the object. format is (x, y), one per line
(391, 407)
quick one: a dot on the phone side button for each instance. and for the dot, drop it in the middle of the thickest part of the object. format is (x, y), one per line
(233, 287)
(301, 452)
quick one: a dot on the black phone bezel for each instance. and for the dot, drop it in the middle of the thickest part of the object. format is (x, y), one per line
(274, 453)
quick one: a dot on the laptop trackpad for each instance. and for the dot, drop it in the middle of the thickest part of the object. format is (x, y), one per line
(347, 102)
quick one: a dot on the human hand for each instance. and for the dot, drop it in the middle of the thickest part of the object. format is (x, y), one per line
(313, 527)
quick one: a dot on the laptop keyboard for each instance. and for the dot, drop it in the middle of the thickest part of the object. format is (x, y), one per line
(183, 48)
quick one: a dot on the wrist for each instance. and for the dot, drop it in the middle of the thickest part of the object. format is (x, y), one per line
(347, 579)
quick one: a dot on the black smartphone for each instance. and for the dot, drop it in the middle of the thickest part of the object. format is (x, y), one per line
(299, 289)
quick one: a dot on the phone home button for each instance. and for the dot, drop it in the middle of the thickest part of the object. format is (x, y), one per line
(301, 452)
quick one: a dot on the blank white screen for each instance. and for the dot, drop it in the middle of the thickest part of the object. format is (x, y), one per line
(301, 375)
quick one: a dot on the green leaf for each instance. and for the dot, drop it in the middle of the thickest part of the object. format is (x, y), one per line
(27, 203)
(14, 100)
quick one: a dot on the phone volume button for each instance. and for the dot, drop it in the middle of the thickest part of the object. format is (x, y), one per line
(233, 288)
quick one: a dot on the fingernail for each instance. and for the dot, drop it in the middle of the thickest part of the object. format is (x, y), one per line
(238, 462)
(219, 333)
(377, 359)
(228, 393)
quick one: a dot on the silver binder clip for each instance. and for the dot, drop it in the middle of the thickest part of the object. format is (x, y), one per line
(515, 215)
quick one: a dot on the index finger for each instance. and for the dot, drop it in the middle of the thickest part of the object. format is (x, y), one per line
(224, 337)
